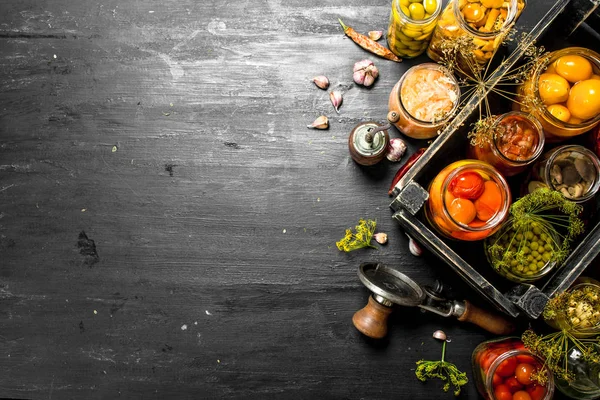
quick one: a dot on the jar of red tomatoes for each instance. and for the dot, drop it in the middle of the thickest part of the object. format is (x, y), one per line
(515, 140)
(468, 200)
(504, 369)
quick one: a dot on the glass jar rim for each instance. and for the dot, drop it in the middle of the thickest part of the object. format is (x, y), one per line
(489, 379)
(590, 55)
(495, 176)
(510, 18)
(435, 14)
(541, 138)
(448, 74)
(582, 150)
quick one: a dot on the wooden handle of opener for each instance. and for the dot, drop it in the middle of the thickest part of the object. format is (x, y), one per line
(487, 320)
(372, 319)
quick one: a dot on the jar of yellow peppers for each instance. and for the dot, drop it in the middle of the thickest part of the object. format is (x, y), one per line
(485, 22)
(411, 25)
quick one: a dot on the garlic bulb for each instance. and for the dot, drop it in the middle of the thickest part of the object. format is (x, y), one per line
(365, 72)
(395, 149)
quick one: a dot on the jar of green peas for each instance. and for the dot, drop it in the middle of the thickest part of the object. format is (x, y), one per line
(411, 25)
(522, 255)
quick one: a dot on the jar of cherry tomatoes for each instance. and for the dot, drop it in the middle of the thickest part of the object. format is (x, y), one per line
(504, 369)
(516, 140)
(563, 93)
(468, 200)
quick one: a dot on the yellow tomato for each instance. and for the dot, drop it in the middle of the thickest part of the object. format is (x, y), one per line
(574, 68)
(596, 77)
(553, 89)
(584, 99)
(551, 68)
(560, 112)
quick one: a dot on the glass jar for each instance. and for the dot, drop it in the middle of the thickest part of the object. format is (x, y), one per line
(535, 264)
(562, 321)
(504, 365)
(586, 383)
(411, 26)
(548, 95)
(517, 140)
(486, 22)
(468, 200)
(572, 170)
(423, 100)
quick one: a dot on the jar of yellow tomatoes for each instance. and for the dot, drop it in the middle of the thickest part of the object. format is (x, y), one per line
(411, 25)
(423, 100)
(484, 22)
(468, 200)
(563, 93)
(515, 140)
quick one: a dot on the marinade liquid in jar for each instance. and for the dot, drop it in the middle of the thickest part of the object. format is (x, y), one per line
(485, 22)
(563, 93)
(468, 200)
(411, 25)
(517, 140)
(502, 369)
(423, 100)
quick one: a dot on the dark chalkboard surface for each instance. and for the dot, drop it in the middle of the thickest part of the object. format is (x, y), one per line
(167, 221)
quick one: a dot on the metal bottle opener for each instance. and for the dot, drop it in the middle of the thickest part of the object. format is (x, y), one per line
(389, 286)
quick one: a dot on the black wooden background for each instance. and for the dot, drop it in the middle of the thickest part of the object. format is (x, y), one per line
(167, 221)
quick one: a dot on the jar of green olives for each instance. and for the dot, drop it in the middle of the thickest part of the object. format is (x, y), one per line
(531, 250)
(411, 25)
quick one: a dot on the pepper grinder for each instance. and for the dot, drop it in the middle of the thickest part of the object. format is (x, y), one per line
(368, 142)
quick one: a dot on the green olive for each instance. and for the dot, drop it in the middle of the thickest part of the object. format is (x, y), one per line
(417, 11)
(430, 6)
(411, 34)
(405, 10)
(404, 3)
(415, 1)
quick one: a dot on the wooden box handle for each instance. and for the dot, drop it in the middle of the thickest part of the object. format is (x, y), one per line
(491, 322)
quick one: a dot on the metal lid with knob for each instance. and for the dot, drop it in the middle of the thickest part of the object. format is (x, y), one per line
(368, 142)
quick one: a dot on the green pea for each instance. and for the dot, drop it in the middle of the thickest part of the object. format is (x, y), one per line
(528, 235)
(537, 230)
(540, 264)
(535, 253)
(430, 6)
(546, 257)
(543, 236)
(548, 247)
(534, 245)
(535, 224)
(525, 250)
(417, 11)
(530, 258)
(514, 263)
(519, 237)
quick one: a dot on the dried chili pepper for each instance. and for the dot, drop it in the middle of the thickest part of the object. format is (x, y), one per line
(369, 44)
(405, 167)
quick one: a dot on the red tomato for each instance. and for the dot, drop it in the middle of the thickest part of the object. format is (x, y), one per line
(497, 380)
(507, 367)
(467, 185)
(489, 358)
(536, 392)
(502, 393)
(521, 395)
(523, 373)
(513, 384)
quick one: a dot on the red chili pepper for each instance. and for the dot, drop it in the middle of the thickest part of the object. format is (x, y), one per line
(405, 167)
(369, 44)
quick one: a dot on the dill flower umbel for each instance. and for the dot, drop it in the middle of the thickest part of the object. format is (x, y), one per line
(360, 238)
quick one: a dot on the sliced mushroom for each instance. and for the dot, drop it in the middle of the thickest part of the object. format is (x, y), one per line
(585, 169)
(556, 174)
(570, 175)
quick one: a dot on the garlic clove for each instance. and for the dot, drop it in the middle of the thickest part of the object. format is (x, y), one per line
(320, 123)
(375, 35)
(395, 149)
(359, 77)
(369, 79)
(414, 247)
(381, 237)
(321, 81)
(439, 335)
(336, 99)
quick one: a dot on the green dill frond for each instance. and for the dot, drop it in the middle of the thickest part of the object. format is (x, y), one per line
(360, 238)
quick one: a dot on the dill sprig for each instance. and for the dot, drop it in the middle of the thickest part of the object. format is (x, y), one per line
(543, 209)
(443, 370)
(360, 238)
(572, 311)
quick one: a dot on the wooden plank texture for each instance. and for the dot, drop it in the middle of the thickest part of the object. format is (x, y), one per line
(172, 134)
